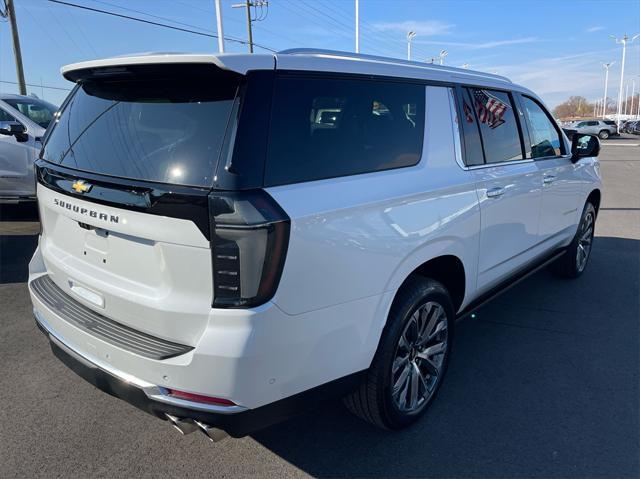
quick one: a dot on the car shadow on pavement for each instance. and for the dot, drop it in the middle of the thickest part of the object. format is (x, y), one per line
(542, 382)
(18, 240)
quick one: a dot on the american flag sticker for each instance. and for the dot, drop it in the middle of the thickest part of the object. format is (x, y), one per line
(467, 112)
(490, 109)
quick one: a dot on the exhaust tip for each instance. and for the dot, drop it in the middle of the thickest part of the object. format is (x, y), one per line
(213, 433)
(183, 425)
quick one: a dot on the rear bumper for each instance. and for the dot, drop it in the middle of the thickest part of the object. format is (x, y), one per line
(237, 421)
(270, 364)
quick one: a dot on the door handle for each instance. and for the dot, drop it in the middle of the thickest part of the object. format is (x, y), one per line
(495, 192)
(548, 179)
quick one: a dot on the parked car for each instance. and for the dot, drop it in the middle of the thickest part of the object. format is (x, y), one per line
(23, 120)
(603, 128)
(228, 239)
(635, 129)
(628, 126)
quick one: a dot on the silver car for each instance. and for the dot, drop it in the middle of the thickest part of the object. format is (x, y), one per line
(603, 128)
(23, 121)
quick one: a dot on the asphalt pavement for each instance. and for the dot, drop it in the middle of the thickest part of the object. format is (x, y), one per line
(543, 382)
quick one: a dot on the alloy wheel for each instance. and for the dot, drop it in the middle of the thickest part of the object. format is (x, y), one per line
(584, 241)
(420, 358)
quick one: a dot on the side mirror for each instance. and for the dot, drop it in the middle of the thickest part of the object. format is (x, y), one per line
(583, 146)
(13, 128)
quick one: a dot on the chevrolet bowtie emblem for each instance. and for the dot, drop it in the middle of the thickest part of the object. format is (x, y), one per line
(80, 186)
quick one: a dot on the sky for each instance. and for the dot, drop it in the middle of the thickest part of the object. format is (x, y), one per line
(556, 48)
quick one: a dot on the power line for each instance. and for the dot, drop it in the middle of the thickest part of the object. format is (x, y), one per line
(308, 16)
(257, 26)
(37, 86)
(42, 27)
(150, 15)
(62, 27)
(158, 24)
(79, 27)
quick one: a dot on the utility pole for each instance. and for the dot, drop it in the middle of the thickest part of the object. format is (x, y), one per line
(10, 12)
(219, 27)
(606, 84)
(624, 40)
(247, 6)
(357, 26)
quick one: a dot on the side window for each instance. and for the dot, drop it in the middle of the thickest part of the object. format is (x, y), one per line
(497, 122)
(325, 128)
(545, 139)
(471, 133)
(592, 123)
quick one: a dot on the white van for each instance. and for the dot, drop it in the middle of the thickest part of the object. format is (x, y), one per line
(227, 239)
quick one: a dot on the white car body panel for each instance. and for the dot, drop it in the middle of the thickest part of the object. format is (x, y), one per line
(227, 61)
(148, 269)
(509, 233)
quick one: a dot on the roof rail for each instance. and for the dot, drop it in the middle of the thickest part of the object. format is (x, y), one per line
(376, 58)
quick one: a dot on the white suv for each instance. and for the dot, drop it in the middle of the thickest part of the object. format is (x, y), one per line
(227, 239)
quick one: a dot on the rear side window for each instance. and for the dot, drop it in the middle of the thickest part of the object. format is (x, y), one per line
(327, 127)
(610, 122)
(545, 139)
(493, 112)
(167, 129)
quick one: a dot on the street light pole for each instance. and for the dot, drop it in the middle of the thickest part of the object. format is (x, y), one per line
(357, 26)
(633, 94)
(624, 40)
(219, 27)
(443, 53)
(626, 98)
(606, 84)
(410, 36)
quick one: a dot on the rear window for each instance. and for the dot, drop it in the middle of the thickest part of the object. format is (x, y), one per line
(327, 127)
(160, 128)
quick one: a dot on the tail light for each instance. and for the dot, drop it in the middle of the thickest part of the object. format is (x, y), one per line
(249, 239)
(199, 398)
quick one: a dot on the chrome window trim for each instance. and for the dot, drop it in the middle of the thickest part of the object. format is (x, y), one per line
(152, 391)
(500, 163)
(556, 157)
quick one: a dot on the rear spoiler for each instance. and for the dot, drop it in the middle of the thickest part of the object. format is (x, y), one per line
(238, 63)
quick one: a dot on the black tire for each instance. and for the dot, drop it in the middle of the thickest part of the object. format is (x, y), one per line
(374, 400)
(569, 264)
(604, 134)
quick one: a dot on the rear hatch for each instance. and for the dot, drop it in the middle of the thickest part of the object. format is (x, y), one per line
(124, 179)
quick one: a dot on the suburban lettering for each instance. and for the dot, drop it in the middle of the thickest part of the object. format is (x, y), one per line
(86, 211)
